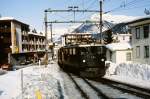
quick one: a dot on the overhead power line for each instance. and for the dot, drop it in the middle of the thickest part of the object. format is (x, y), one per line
(87, 21)
(124, 5)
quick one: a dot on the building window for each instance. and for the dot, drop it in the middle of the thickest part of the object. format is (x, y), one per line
(146, 51)
(138, 33)
(138, 51)
(146, 31)
(128, 56)
(110, 55)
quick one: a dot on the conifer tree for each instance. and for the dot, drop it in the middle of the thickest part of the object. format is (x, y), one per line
(108, 37)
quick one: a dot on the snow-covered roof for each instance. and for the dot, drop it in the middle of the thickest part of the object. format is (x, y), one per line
(119, 46)
(37, 34)
(6, 18)
(139, 20)
(11, 19)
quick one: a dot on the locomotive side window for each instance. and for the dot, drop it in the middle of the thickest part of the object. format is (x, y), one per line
(70, 51)
(67, 51)
(74, 51)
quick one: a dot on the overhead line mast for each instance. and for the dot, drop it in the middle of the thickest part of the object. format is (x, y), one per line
(101, 21)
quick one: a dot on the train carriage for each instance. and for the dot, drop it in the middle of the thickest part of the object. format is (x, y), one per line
(85, 60)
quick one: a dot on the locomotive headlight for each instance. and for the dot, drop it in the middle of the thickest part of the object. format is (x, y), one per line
(102, 59)
(83, 61)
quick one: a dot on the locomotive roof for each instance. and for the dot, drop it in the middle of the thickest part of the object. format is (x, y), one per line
(87, 45)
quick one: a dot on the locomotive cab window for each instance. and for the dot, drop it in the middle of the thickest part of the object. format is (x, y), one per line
(99, 50)
(93, 49)
(83, 51)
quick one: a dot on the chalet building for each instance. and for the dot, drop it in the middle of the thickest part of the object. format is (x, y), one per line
(140, 30)
(119, 52)
(17, 42)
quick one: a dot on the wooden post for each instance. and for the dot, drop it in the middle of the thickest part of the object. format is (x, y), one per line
(22, 83)
(46, 40)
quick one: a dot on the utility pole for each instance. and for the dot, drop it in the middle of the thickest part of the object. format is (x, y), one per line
(52, 49)
(101, 22)
(46, 40)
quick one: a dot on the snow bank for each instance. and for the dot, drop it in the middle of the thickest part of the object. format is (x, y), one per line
(47, 80)
(39, 79)
(136, 71)
(111, 67)
(134, 74)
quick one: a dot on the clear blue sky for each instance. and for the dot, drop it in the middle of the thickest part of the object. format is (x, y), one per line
(32, 11)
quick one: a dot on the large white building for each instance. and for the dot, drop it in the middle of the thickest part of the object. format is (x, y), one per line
(140, 30)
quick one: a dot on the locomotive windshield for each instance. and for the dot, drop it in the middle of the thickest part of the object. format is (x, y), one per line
(92, 49)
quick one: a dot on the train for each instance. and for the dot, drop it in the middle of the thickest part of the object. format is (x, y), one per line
(84, 60)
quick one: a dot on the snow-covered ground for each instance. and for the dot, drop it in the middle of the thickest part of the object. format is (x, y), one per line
(49, 81)
(134, 74)
(46, 81)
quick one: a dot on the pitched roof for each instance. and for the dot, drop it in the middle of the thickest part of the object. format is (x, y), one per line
(11, 19)
(139, 20)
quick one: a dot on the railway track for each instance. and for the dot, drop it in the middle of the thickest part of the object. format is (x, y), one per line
(140, 92)
(104, 89)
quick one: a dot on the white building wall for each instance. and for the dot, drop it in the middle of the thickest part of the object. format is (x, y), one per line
(121, 56)
(118, 56)
(140, 42)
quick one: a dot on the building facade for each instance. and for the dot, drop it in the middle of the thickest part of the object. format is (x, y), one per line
(17, 40)
(140, 30)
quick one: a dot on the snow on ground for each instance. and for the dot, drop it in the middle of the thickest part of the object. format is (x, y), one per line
(36, 79)
(134, 74)
(10, 85)
(49, 82)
